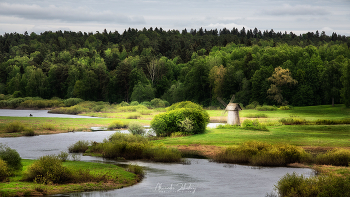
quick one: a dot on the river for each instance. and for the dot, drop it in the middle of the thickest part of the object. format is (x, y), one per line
(199, 177)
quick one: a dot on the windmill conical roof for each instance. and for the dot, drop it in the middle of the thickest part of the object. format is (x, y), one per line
(233, 107)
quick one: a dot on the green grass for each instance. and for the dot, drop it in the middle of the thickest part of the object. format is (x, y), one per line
(60, 125)
(118, 175)
(299, 135)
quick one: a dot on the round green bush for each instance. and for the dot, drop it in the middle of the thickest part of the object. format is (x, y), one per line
(11, 157)
(48, 169)
(72, 101)
(136, 128)
(172, 121)
(184, 104)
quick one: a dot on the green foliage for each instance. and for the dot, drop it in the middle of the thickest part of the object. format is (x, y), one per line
(29, 132)
(136, 128)
(287, 107)
(79, 147)
(293, 121)
(134, 103)
(253, 125)
(166, 123)
(158, 103)
(72, 101)
(11, 157)
(4, 171)
(336, 157)
(48, 169)
(300, 186)
(263, 154)
(252, 105)
(184, 104)
(142, 93)
(162, 154)
(133, 116)
(136, 169)
(266, 108)
(15, 127)
(256, 116)
(124, 104)
(117, 124)
(63, 156)
(48, 126)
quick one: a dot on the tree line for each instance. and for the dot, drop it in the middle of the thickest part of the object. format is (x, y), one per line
(197, 65)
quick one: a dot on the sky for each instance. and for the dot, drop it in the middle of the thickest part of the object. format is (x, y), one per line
(298, 16)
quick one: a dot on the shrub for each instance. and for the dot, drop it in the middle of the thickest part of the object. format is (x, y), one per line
(72, 101)
(48, 169)
(119, 137)
(256, 116)
(15, 127)
(156, 103)
(162, 154)
(266, 108)
(184, 104)
(147, 104)
(294, 185)
(127, 150)
(287, 107)
(252, 105)
(134, 103)
(263, 154)
(117, 124)
(138, 170)
(63, 156)
(136, 128)
(253, 125)
(133, 116)
(11, 157)
(166, 123)
(145, 112)
(4, 171)
(29, 132)
(337, 157)
(79, 147)
(293, 121)
(124, 104)
(48, 126)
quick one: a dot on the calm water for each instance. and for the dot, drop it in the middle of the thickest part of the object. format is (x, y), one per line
(36, 113)
(200, 178)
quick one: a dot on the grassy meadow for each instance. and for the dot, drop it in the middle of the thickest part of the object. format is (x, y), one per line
(117, 178)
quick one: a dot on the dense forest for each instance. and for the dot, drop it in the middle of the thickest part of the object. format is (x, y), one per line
(197, 65)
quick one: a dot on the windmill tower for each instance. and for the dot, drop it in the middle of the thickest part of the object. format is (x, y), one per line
(232, 111)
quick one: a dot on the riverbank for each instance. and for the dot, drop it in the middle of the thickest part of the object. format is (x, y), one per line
(117, 177)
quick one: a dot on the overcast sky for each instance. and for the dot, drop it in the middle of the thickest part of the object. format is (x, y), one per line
(298, 16)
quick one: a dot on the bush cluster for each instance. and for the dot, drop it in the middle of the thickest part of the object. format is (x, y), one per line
(4, 171)
(256, 116)
(166, 123)
(253, 125)
(337, 157)
(72, 101)
(11, 157)
(300, 186)
(252, 105)
(184, 116)
(127, 146)
(136, 128)
(117, 124)
(266, 108)
(263, 154)
(79, 147)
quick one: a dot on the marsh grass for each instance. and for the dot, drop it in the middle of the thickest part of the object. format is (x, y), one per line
(136, 128)
(300, 186)
(48, 126)
(256, 116)
(162, 154)
(133, 116)
(117, 124)
(253, 125)
(79, 147)
(136, 169)
(29, 132)
(4, 170)
(266, 108)
(263, 154)
(337, 157)
(15, 127)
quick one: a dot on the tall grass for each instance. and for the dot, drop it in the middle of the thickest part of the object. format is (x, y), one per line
(256, 116)
(79, 147)
(253, 125)
(337, 157)
(263, 154)
(127, 146)
(300, 186)
(117, 124)
(136, 128)
(4, 170)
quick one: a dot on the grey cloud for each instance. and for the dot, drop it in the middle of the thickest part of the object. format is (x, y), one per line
(66, 14)
(296, 10)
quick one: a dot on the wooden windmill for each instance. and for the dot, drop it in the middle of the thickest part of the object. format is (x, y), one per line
(232, 111)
